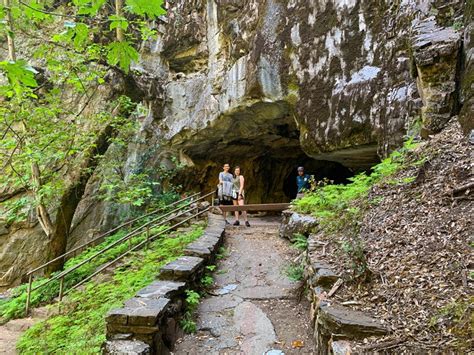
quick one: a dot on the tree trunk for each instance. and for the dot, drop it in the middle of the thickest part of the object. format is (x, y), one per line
(11, 43)
(42, 213)
(119, 13)
(72, 196)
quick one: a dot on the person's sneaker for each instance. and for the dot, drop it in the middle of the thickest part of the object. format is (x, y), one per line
(236, 223)
(227, 222)
(247, 223)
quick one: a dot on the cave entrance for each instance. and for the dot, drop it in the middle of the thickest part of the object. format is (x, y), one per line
(320, 169)
(263, 140)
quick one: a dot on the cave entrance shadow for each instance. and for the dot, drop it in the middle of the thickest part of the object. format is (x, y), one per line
(320, 169)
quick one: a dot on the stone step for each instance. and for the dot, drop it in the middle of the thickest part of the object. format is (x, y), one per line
(138, 311)
(131, 347)
(161, 288)
(182, 268)
(323, 275)
(204, 246)
(347, 323)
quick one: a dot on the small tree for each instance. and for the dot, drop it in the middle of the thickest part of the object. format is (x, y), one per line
(49, 149)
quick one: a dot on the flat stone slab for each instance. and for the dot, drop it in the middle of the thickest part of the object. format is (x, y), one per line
(131, 347)
(161, 288)
(325, 278)
(352, 324)
(257, 329)
(199, 250)
(138, 311)
(181, 268)
(204, 246)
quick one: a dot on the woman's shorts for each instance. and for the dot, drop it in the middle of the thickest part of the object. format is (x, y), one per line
(225, 202)
(239, 198)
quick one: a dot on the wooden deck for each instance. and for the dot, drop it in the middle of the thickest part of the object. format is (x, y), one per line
(256, 207)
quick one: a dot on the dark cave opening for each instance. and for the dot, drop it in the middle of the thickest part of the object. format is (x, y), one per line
(319, 169)
(270, 178)
(264, 140)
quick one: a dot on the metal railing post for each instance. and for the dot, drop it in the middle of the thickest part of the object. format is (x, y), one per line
(147, 236)
(28, 296)
(61, 288)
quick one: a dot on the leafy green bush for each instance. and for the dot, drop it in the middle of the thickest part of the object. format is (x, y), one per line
(80, 326)
(300, 241)
(295, 271)
(329, 202)
(341, 207)
(192, 302)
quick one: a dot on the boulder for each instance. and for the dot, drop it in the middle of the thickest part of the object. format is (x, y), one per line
(296, 223)
(436, 52)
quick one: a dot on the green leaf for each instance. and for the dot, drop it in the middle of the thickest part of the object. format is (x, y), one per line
(33, 11)
(88, 7)
(121, 53)
(118, 22)
(150, 8)
(81, 35)
(20, 75)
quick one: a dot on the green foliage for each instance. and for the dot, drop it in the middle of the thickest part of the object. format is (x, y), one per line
(458, 25)
(121, 53)
(44, 122)
(81, 322)
(300, 241)
(15, 307)
(341, 207)
(21, 77)
(354, 248)
(329, 202)
(295, 271)
(15, 210)
(222, 253)
(188, 325)
(458, 318)
(149, 8)
(192, 302)
(207, 281)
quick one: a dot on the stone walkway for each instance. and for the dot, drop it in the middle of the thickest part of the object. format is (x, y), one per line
(253, 308)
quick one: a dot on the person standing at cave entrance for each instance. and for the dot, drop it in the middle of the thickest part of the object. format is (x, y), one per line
(238, 194)
(224, 193)
(302, 182)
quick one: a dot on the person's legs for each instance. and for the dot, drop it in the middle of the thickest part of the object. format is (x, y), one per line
(236, 213)
(223, 203)
(244, 213)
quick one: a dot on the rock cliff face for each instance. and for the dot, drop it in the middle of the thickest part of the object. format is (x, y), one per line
(269, 83)
(272, 84)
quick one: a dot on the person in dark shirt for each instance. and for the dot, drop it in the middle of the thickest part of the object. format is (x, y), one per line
(302, 181)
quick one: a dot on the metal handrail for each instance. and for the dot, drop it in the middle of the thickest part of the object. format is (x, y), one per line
(109, 232)
(153, 223)
(103, 267)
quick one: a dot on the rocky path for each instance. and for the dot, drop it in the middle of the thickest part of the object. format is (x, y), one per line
(253, 308)
(11, 331)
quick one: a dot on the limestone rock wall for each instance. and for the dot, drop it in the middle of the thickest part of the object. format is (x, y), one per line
(345, 78)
